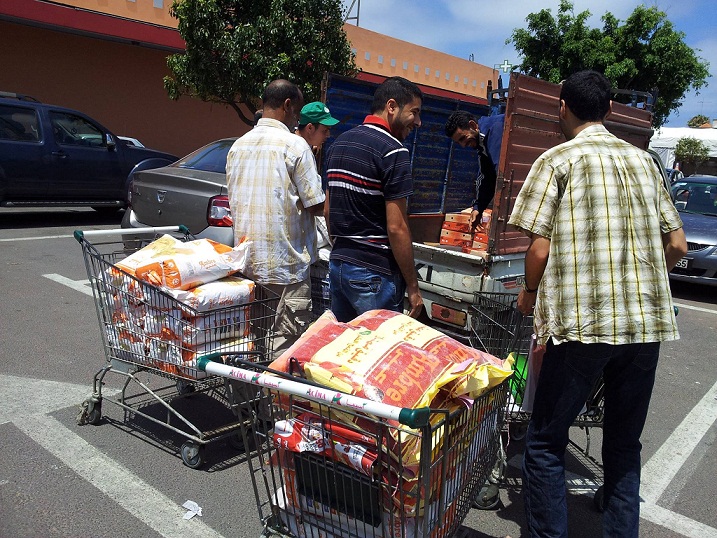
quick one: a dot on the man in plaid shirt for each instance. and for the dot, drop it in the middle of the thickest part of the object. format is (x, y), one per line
(604, 235)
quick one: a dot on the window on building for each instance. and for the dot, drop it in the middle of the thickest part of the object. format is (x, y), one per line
(354, 51)
(456, 79)
(380, 58)
(159, 4)
(415, 68)
(367, 56)
(438, 73)
(428, 70)
(465, 81)
(474, 84)
(393, 62)
(448, 76)
(405, 66)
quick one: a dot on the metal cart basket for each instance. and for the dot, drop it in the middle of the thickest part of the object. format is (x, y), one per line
(500, 329)
(149, 330)
(335, 465)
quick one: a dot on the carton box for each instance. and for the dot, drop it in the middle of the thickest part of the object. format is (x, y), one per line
(458, 239)
(457, 222)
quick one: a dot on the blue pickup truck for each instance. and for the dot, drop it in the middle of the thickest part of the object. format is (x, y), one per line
(54, 156)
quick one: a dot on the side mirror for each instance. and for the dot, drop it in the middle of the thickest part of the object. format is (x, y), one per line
(110, 141)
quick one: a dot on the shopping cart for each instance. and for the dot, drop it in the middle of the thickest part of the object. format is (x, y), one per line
(147, 330)
(499, 328)
(334, 465)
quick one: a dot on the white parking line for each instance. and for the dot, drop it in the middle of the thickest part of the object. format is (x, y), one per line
(697, 308)
(7, 240)
(79, 285)
(153, 508)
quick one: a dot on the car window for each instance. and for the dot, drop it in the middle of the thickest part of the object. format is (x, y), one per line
(72, 130)
(695, 197)
(210, 158)
(19, 123)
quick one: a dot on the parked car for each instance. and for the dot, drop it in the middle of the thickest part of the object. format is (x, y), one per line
(55, 156)
(191, 191)
(131, 141)
(696, 199)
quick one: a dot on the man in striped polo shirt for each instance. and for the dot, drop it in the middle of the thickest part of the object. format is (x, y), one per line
(368, 181)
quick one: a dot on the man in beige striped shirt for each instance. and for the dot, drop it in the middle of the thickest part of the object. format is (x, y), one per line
(604, 234)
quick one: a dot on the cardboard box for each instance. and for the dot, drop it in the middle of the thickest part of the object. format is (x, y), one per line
(457, 222)
(480, 240)
(459, 239)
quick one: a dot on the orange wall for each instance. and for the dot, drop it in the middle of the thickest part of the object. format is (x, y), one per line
(117, 84)
(138, 10)
(472, 77)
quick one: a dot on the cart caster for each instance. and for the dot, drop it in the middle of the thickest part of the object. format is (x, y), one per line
(90, 412)
(184, 387)
(488, 497)
(192, 454)
(236, 441)
(518, 431)
(599, 499)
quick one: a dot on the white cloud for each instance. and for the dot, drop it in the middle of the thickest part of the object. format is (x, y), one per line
(465, 27)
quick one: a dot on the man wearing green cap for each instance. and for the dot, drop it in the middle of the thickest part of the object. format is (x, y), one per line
(314, 124)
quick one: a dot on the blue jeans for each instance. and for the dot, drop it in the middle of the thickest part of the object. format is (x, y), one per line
(355, 290)
(568, 374)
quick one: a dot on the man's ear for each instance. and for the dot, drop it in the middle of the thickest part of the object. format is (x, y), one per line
(473, 124)
(392, 106)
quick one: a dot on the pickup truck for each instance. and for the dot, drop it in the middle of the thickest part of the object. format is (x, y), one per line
(54, 156)
(444, 174)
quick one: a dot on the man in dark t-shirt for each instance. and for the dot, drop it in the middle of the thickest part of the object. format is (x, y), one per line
(368, 181)
(484, 135)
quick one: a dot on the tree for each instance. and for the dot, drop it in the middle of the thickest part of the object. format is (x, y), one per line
(643, 54)
(698, 121)
(691, 150)
(234, 48)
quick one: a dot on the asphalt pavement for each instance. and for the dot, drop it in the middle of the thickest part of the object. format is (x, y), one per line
(124, 477)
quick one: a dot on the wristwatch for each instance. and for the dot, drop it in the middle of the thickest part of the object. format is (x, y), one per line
(527, 289)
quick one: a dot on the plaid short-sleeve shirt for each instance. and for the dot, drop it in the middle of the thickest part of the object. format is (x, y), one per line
(272, 180)
(602, 204)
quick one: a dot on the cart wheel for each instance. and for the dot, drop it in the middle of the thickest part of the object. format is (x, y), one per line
(488, 497)
(90, 412)
(192, 454)
(236, 441)
(599, 499)
(518, 431)
(184, 387)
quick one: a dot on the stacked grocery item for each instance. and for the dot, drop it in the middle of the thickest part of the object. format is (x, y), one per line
(391, 358)
(173, 301)
(456, 231)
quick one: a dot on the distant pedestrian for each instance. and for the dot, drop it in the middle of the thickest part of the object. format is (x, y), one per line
(603, 236)
(274, 194)
(368, 172)
(315, 124)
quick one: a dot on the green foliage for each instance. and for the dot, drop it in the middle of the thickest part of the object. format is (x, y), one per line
(643, 54)
(691, 150)
(698, 121)
(234, 48)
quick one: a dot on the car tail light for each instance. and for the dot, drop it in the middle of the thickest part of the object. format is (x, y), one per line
(218, 212)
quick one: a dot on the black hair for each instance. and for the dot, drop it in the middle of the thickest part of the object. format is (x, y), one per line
(279, 91)
(257, 115)
(458, 120)
(399, 89)
(587, 95)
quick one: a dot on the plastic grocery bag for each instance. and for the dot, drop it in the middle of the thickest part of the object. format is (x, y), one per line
(535, 362)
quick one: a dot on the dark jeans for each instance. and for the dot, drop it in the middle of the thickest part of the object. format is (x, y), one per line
(569, 372)
(355, 290)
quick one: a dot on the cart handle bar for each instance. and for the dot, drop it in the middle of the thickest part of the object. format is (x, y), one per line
(79, 234)
(413, 418)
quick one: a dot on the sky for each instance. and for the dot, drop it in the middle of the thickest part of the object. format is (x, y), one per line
(480, 28)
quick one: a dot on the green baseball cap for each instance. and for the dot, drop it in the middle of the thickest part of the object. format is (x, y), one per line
(317, 112)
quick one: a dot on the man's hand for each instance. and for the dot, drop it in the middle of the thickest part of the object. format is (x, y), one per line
(416, 302)
(526, 302)
(475, 219)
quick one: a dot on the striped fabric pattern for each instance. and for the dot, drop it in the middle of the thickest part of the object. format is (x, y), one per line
(366, 166)
(271, 179)
(602, 204)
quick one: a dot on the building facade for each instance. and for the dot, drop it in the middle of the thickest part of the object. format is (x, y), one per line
(108, 60)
